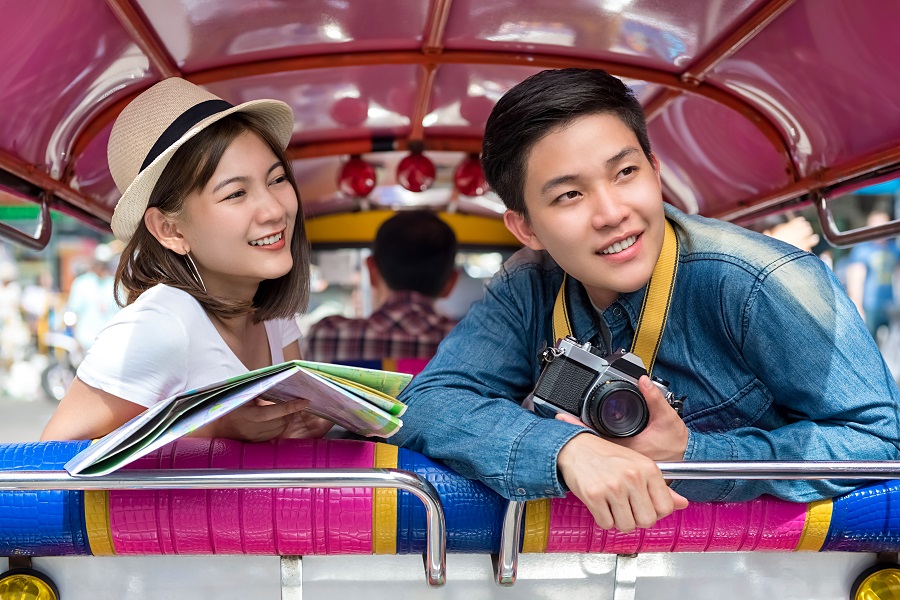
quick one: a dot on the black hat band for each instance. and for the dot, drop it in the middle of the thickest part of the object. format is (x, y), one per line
(182, 125)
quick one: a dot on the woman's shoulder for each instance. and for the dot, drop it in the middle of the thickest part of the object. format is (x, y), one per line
(164, 301)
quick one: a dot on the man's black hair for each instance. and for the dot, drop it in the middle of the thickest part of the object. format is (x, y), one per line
(543, 103)
(415, 251)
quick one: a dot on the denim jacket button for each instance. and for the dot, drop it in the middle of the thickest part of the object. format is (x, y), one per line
(520, 491)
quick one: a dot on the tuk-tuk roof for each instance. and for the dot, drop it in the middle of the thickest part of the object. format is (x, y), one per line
(752, 104)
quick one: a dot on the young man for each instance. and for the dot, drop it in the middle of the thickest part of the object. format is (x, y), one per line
(771, 355)
(413, 264)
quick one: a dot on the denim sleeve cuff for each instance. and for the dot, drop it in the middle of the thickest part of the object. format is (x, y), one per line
(704, 447)
(532, 471)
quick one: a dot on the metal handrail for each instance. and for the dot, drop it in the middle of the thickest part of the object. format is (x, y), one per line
(436, 546)
(41, 237)
(842, 239)
(506, 563)
(782, 469)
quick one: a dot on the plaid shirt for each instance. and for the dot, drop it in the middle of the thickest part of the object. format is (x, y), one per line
(406, 326)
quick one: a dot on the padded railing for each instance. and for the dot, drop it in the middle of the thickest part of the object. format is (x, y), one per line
(351, 497)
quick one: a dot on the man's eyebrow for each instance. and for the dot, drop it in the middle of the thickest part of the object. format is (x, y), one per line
(625, 152)
(243, 178)
(561, 180)
(610, 162)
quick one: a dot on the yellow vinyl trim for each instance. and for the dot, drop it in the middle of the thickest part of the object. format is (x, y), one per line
(96, 522)
(815, 529)
(359, 228)
(537, 526)
(656, 301)
(384, 504)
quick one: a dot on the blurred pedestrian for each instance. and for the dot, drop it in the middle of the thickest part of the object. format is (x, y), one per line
(14, 336)
(870, 276)
(92, 297)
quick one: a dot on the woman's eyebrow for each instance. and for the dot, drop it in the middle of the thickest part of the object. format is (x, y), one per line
(243, 178)
(221, 184)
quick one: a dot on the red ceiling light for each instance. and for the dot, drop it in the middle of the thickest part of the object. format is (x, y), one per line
(469, 178)
(416, 172)
(357, 177)
(350, 111)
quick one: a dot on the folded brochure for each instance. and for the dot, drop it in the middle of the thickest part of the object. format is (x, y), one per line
(360, 400)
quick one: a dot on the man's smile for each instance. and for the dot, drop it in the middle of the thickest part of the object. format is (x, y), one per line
(620, 245)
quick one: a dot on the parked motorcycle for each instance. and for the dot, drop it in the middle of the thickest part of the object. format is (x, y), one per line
(65, 354)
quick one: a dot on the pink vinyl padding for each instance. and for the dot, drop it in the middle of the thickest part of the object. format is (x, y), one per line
(252, 521)
(412, 366)
(764, 524)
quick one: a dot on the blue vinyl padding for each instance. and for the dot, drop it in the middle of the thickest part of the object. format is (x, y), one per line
(473, 512)
(866, 520)
(41, 523)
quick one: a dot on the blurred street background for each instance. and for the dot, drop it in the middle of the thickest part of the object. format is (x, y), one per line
(23, 408)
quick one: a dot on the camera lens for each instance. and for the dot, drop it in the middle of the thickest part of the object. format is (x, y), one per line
(617, 409)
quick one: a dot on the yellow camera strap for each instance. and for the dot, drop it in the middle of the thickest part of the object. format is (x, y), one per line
(654, 311)
(647, 337)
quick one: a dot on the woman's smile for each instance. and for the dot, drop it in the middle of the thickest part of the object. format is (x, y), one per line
(270, 242)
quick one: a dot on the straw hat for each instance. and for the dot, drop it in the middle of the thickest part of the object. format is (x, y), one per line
(155, 124)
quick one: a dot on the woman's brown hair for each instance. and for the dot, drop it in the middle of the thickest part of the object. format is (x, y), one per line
(146, 263)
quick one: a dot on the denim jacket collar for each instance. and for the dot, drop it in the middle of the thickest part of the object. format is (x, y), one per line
(585, 320)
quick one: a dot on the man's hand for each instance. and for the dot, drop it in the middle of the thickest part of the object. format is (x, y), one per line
(620, 487)
(666, 436)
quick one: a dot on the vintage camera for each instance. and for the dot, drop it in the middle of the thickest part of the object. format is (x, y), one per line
(602, 391)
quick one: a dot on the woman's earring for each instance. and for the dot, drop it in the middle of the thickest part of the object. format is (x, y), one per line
(193, 268)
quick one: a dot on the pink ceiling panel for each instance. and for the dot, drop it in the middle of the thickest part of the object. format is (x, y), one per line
(90, 173)
(831, 79)
(203, 35)
(337, 103)
(712, 157)
(655, 33)
(465, 94)
(61, 62)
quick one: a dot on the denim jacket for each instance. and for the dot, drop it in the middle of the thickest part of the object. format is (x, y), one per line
(773, 358)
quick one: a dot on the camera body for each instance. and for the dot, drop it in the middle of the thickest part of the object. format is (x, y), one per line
(602, 391)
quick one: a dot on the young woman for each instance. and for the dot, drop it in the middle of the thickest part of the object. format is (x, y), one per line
(215, 267)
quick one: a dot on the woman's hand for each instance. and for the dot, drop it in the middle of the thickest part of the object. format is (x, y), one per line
(260, 421)
(304, 424)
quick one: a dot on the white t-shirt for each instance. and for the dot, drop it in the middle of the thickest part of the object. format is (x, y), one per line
(163, 344)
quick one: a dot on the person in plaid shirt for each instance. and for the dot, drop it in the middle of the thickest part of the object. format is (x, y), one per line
(411, 266)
